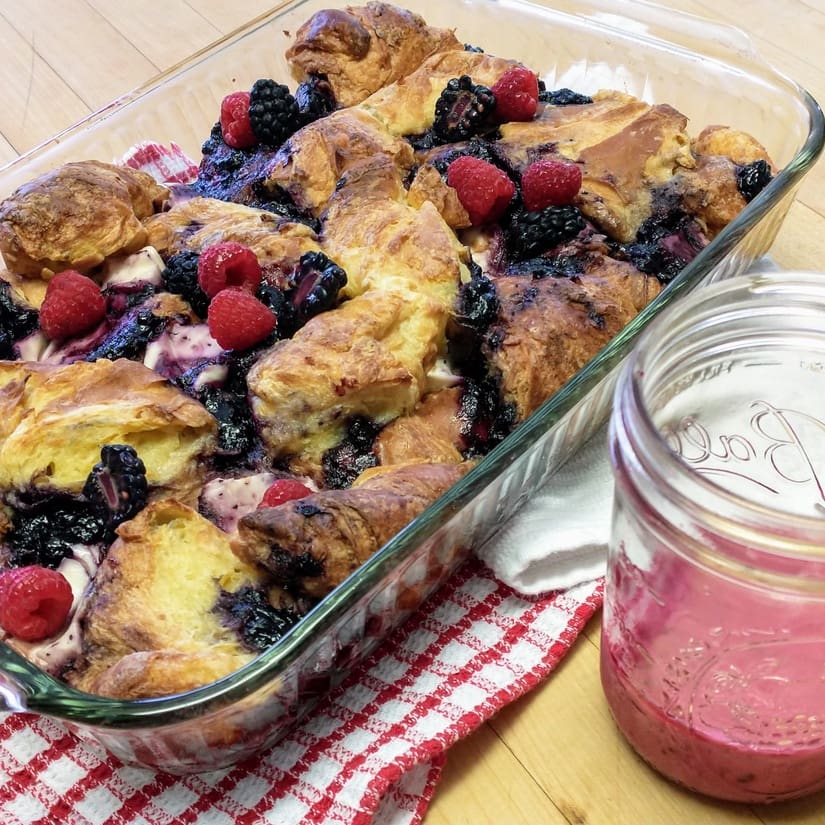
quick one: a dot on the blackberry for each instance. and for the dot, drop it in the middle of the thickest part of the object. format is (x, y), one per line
(317, 282)
(557, 266)
(16, 322)
(249, 613)
(282, 308)
(130, 336)
(528, 234)
(343, 463)
(478, 303)
(315, 99)
(181, 277)
(752, 178)
(484, 419)
(236, 433)
(664, 244)
(116, 488)
(45, 532)
(563, 97)
(462, 109)
(475, 148)
(273, 112)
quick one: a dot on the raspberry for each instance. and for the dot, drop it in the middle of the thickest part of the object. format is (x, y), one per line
(483, 189)
(238, 320)
(72, 305)
(550, 183)
(34, 602)
(236, 126)
(284, 489)
(228, 264)
(517, 94)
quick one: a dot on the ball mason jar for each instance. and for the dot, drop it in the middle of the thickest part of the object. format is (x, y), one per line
(713, 641)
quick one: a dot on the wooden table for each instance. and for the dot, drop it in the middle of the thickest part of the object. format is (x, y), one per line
(554, 756)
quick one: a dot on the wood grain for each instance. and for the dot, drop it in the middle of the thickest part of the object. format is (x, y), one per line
(554, 757)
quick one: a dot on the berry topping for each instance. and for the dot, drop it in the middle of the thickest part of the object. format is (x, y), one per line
(181, 277)
(318, 280)
(250, 613)
(347, 460)
(531, 233)
(228, 264)
(315, 99)
(34, 602)
(44, 533)
(236, 127)
(282, 490)
(238, 320)
(236, 432)
(563, 97)
(273, 112)
(478, 302)
(462, 109)
(116, 487)
(483, 189)
(130, 335)
(550, 183)
(73, 305)
(517, 94)
(16, 322)
(753, 178)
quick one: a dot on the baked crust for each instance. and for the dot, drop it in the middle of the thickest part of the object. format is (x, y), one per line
(75, 216)
(150, 626)
(370, 355)
(310, 164)
(336, 531)
(361, 49)
(625, 148)
(431, 432)
(198, 223)
(548, 329)
(54, 419)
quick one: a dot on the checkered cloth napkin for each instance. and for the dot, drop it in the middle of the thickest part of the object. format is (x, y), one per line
(370, 754)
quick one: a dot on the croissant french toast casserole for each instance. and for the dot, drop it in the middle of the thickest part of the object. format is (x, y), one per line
(220, 397)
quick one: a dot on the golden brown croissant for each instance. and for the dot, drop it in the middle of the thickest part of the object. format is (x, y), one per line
(313, 544)
(75, 216)
(151, 627)
(548, 329)
(310, 164)
(360, 49)
(198, 223)
(54, 420)
(625, 148)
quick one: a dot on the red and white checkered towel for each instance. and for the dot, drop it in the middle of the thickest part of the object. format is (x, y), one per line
(371, 754)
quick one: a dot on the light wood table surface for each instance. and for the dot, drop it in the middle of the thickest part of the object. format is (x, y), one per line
(555, 756)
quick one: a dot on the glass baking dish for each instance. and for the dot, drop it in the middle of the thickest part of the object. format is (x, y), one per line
(709, 72)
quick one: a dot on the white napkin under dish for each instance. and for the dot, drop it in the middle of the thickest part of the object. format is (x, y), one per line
(559, 537)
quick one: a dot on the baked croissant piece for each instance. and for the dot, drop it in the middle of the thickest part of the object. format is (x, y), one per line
(361, 49)
(314, 544)
(153, 623)
(76, 216)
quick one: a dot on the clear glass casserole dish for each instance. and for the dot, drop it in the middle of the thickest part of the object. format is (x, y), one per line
(649, 52)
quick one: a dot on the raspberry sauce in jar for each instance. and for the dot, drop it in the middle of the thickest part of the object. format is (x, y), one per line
(713, 646)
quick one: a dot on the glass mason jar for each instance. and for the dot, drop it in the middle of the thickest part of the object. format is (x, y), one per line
(713, 642)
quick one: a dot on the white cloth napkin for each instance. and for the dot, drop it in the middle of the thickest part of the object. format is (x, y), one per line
(559, 537)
